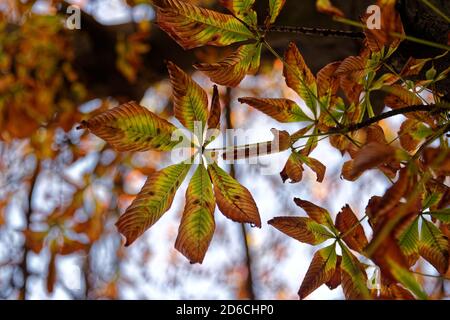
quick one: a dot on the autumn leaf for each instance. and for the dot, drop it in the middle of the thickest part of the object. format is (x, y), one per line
(335, 280)
(191, 26)
(407, 279)
(412, 133)
(213, 122)
(328, 81)
(190, 100)
(433, 246)
(393, 291)
(131, 127)
(320, 271)
(275, 7)
(347, 223)
(152, 202)
(230, 71)
(370, 156)
(293, 169)
(408, 241)
(353, 277)
(442, 215)
(325, 6)
(241, 9)
(233, 199)
(302, 229)
(318, 214)
(391, 28)
(299, 77)
(197, 224)
(282, 110)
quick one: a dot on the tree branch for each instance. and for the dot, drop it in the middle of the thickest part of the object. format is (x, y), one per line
(321, 32)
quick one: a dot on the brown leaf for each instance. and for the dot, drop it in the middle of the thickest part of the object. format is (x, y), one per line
(318, 214)
(346, 220)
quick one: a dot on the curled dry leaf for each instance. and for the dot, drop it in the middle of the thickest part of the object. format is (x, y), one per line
(368, 157)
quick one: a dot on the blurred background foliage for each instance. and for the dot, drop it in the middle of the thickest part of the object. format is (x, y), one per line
(61, 191)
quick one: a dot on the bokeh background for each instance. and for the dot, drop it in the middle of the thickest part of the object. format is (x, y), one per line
(62, 190)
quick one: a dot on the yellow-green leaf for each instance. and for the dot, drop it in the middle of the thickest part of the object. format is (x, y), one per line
(320, 271)
(190, 100)
(408, 240)
(353, 277)
(407, 279)
(275, 7)
(197, 224)
(299, 77)
(242, 9)
(442, 215)
(131, 127)
(233, 199)
(230, 71)
(191, 26)
(433, 246)
(302, 229)
(282, 110)
(325, 6)
(154, 199)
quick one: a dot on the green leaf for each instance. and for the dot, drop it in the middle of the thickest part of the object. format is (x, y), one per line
(242, 9)
(409, 242)
(442, 215)
(275, 7)
(197, 224)
(299, 77)
(407, 279)
(354, 278)
(152, 202)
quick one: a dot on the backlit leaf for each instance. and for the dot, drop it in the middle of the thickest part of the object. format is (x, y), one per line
(233, 199)
(293, 169)
(197, 224)
(411, 133)
(347, 223)
(131, 127)
(408, 241)
(299, 77)
(433, 246)
(230, 71)
(191, 26)
(190, 100)
(354, 278)
(282, 110)
(154, 199)
(320, 271)
(442, 215)
(275, 7)
(325, 6)
(302, 229)
(213, 122)
(408, 280)
(241, 9)
(318, 214)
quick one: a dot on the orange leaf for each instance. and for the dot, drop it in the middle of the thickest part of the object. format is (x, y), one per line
(346, 220)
